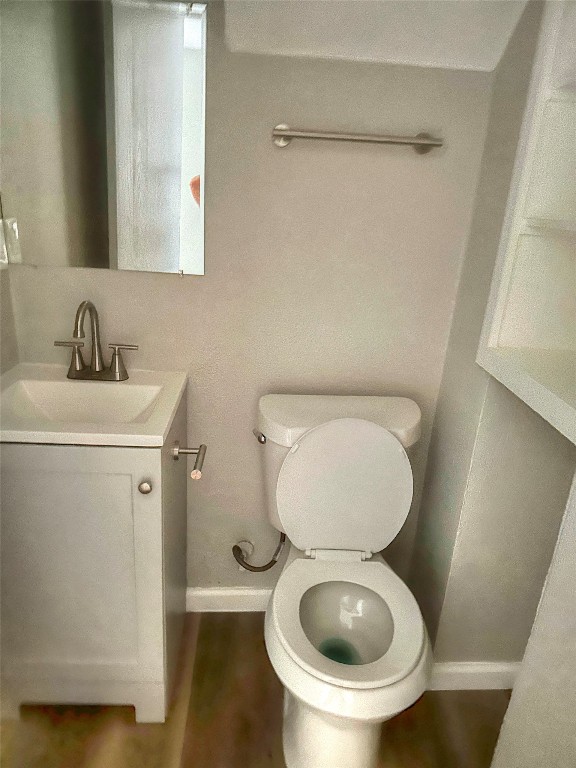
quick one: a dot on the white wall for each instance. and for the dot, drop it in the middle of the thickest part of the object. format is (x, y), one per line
(538, 729)
(515, 496)
(464, 383)
(498, 475)
(8, 342)
(448, 34)
(330, 268)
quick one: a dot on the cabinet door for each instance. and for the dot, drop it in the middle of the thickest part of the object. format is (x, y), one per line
(81, 563)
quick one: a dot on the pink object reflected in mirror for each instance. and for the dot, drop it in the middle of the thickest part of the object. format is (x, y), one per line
(195, 189)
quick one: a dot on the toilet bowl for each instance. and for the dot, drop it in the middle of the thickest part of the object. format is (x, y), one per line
(348, 643)
(344, 634)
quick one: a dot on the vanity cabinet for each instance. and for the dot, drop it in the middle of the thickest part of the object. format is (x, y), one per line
(93, 572)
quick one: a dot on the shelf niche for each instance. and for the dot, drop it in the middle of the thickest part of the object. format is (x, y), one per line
(528, 340)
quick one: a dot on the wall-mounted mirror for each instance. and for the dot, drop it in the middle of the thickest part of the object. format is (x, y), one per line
(102, 132)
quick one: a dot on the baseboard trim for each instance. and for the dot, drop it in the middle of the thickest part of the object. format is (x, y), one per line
(446, 675)
(473, 675)
(226, 599)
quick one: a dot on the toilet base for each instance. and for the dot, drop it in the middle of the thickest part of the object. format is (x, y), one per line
(315, 739)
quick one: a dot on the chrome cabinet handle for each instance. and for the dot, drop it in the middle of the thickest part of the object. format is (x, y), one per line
(145, 487)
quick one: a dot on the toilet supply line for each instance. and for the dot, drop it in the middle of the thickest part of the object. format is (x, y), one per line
(239, 556)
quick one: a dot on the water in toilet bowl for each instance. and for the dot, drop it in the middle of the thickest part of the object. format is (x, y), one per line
(340, 650)
(346, 622)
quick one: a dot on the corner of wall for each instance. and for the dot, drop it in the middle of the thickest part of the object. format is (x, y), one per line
(539, 724)
(8, 341)
(464, 384)
(515, 497)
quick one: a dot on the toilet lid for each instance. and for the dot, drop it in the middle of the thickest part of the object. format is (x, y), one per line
(346, 484)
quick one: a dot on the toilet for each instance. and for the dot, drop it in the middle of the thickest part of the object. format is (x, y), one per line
(344, 634)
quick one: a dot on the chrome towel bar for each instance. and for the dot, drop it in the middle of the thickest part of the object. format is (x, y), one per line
(282, 135)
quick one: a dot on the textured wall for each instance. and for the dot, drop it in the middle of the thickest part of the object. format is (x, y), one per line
(329, 268)
(515, 497)
(514, 472)
(449, 35)
(8, 344)
(464, 383)
(498, 475)
(538, 729)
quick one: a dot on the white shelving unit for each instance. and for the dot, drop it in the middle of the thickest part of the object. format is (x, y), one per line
(528, 340)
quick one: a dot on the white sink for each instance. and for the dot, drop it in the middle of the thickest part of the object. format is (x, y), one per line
(38, 404)
(88, 402)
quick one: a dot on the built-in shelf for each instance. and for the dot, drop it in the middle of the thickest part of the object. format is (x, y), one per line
(566, 92)
(528, 341)
(544, 379)
(561, 226)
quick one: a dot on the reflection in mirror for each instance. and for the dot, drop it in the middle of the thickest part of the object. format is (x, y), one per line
(102, 132)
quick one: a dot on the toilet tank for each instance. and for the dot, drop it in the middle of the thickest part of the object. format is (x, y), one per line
(283, 419)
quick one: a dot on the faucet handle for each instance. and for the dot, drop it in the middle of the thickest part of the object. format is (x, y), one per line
(117, 367)
(69, 343)
(77, 364)
(116, 347)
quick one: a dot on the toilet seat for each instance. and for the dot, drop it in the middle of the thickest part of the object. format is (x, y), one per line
(346, 484)
(409, 635)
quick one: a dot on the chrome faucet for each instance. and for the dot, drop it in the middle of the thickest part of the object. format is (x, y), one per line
(97, 370)
(96, 363)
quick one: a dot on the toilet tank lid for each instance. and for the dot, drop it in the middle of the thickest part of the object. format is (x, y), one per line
(285, 418)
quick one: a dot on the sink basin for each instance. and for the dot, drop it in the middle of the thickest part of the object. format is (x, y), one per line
(39, 404)
(88, 402)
